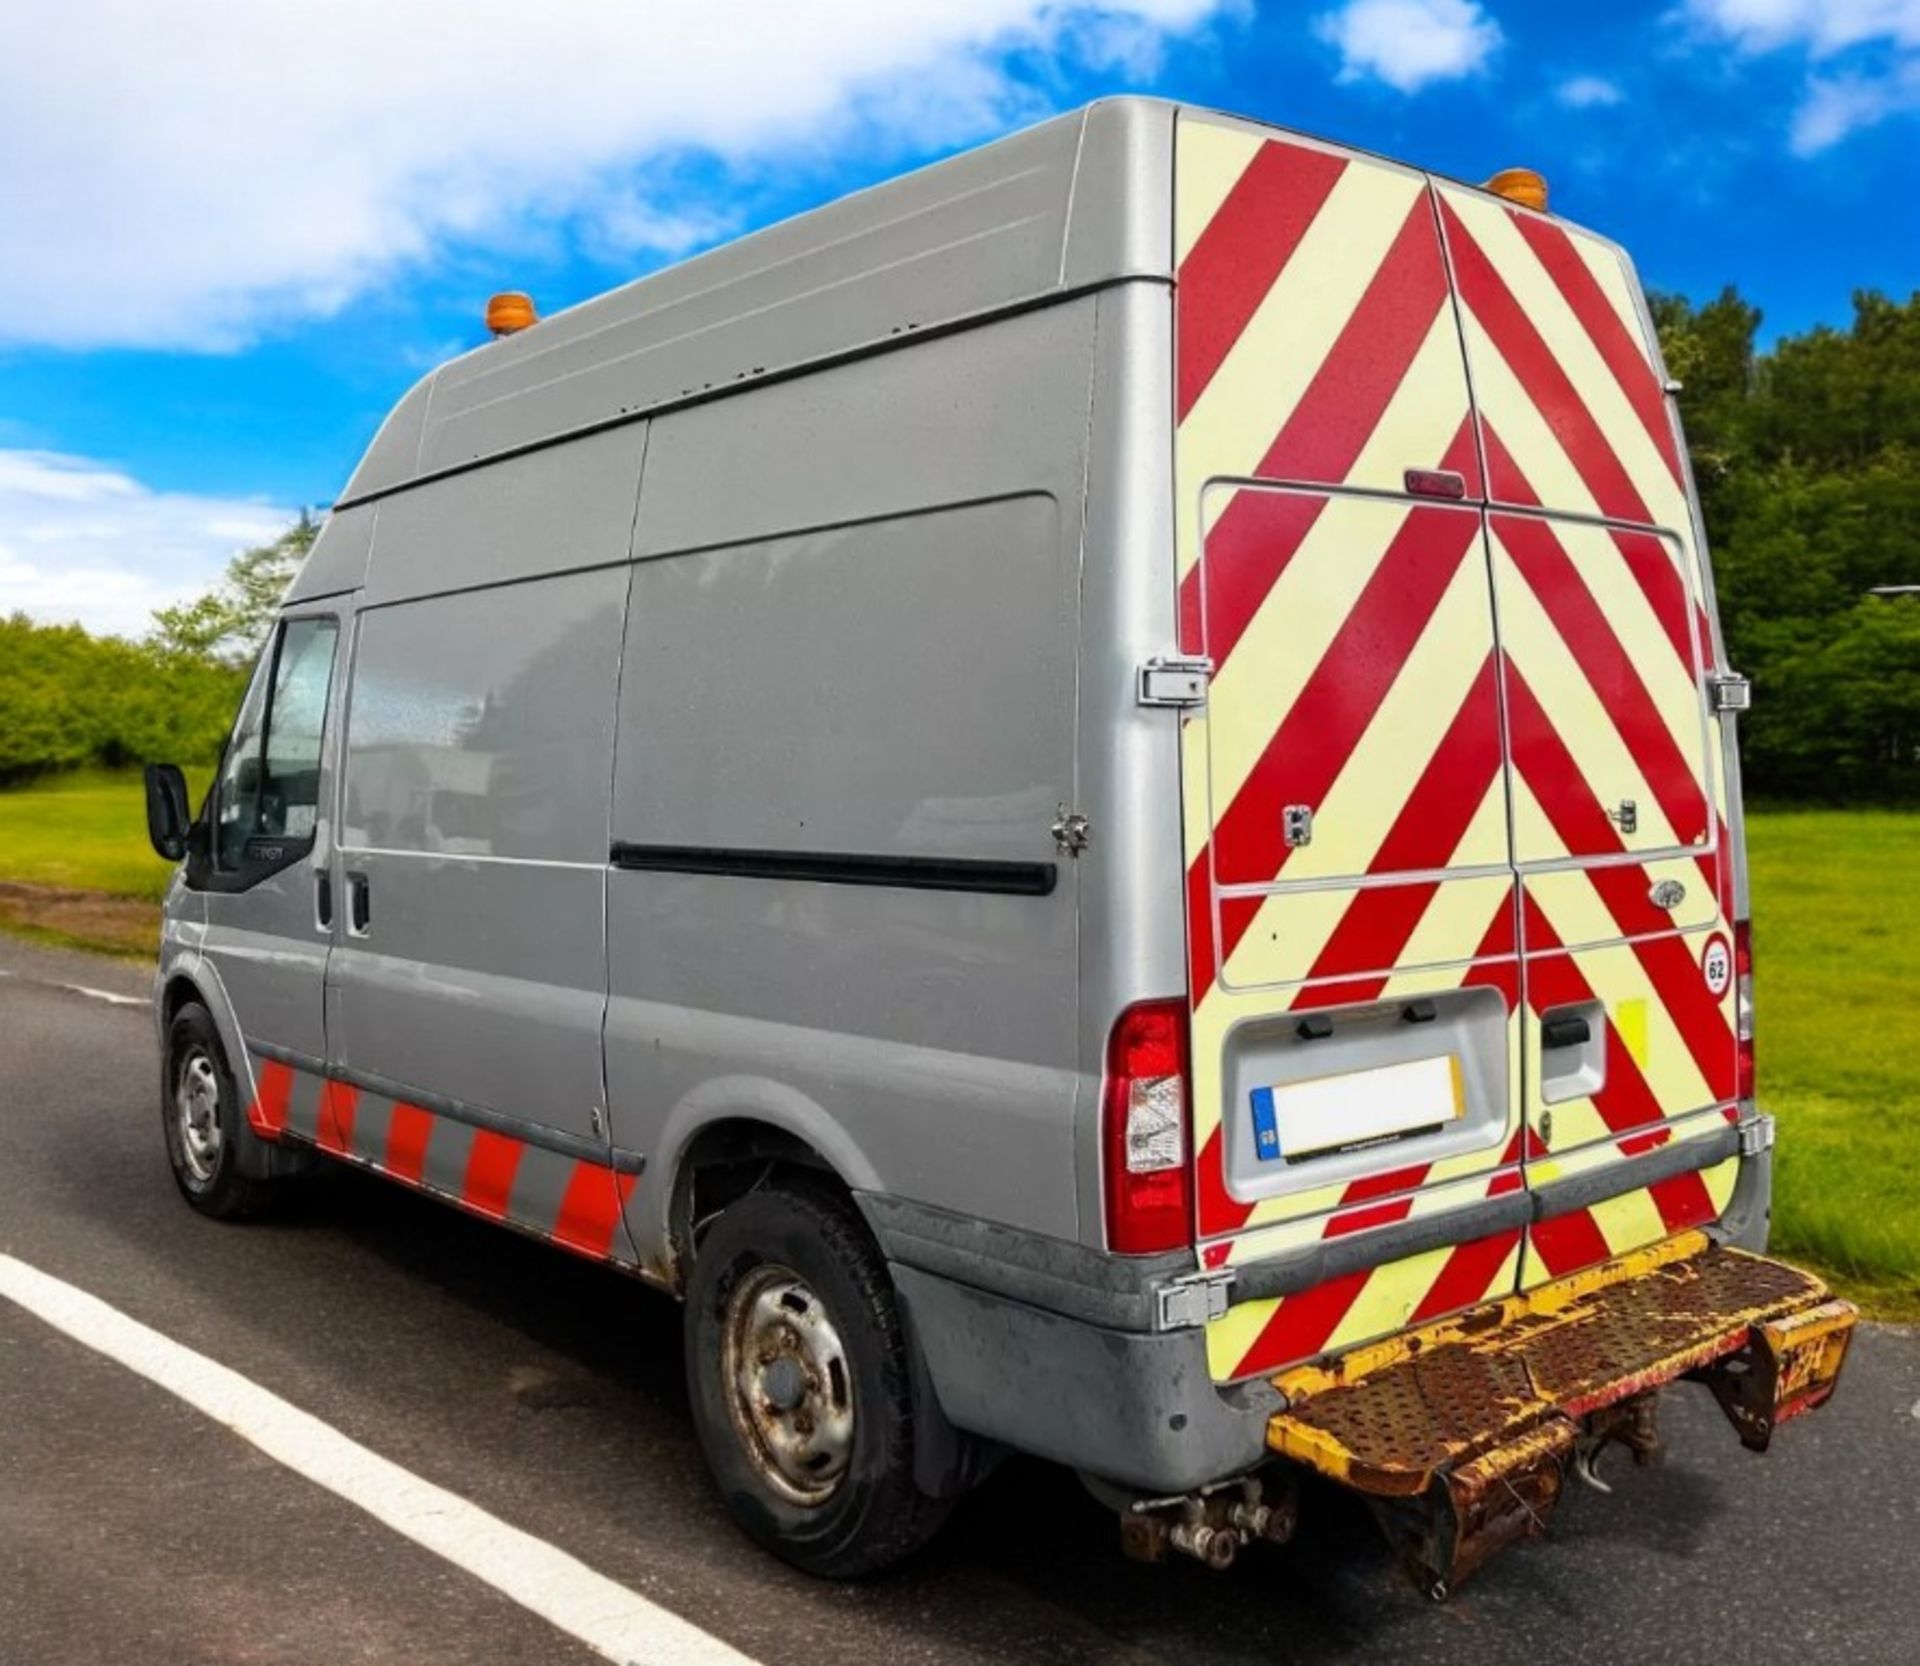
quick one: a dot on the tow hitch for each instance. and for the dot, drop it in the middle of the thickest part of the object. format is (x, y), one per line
(1461, 1435)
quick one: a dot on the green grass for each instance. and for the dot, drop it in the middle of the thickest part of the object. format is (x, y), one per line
(1837, 953)
(86, 831)
(1836, 905)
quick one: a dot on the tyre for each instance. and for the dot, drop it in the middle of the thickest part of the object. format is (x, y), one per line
(798, 1373)
(208, 1141)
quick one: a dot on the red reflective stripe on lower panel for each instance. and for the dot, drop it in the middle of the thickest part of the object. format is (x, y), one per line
(267, 1115)
(407, 1134)
(590, 1209)
(492, 1162)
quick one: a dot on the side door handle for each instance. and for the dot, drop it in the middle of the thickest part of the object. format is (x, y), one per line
(359, 905)
(323, 899)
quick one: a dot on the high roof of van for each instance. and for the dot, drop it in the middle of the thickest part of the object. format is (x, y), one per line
(1073, 203)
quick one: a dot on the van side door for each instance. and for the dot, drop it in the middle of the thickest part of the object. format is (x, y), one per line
(264, 869)
(466, 996)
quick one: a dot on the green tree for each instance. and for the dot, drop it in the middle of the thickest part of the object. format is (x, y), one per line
(1808, 461)
(230, 621)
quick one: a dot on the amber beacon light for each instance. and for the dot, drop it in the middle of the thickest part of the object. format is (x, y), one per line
(509, 312)
(1521, 185)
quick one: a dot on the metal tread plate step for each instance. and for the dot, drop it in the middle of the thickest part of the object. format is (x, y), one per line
(1472, 1420)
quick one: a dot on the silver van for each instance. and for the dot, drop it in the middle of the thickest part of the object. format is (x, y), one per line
(1091, 799)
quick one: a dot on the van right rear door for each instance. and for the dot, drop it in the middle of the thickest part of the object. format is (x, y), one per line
(1619, 822)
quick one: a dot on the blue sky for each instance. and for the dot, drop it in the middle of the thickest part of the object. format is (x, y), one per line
(236, 230)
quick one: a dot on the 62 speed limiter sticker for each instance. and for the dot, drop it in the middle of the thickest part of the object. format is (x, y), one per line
(1716, 964)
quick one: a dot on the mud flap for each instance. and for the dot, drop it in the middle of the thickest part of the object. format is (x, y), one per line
(1460, 1435)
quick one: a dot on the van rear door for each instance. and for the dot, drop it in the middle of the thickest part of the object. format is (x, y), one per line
(1351, 901)
(1619, 815)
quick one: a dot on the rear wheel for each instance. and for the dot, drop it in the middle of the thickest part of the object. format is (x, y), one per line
(798, 1372)
(206, 1130)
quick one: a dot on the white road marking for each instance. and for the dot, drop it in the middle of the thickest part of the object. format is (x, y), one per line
(80, 989)
(609, 1618)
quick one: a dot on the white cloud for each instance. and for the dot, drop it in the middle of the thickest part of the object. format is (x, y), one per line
(1868, 53)
(1824, 27)
(1410, 43)
(1588, 92)
(80, 541)
(190, 174)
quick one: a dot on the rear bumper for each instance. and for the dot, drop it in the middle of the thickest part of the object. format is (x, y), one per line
(1134, 1408)
(1461, 1432)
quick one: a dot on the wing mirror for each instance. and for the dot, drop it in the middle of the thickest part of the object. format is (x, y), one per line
(168, 819)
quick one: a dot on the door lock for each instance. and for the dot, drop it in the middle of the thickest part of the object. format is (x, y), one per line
(1296, 825)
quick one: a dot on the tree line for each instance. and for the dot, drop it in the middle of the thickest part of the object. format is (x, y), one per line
(69, 699)
(1807, 457)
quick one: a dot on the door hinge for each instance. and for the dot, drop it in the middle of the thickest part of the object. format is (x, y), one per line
(1756, 1135)
(1193, 1300)
(1730, 692)
(1175, 680)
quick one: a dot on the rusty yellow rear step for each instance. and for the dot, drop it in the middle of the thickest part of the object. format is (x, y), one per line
(1460, 1432)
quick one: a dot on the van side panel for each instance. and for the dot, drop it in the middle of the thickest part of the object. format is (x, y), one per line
(852, 637)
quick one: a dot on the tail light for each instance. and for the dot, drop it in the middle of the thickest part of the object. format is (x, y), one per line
(1145, 1130)
(1743, 1008)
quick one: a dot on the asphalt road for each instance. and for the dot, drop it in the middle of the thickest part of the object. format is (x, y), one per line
(135, 1530)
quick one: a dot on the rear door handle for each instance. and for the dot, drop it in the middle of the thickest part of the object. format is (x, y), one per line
(1567, 1030)
(359, 905)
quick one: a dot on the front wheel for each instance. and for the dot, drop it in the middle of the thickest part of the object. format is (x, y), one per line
(798, 1373)
(206, 1130)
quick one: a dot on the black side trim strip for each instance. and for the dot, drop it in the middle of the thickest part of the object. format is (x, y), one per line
(1582, 1191)
(621, 1160)
(1286, 1275)
(912, 873)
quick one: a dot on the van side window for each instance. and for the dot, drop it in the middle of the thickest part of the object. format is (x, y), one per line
(270, 779)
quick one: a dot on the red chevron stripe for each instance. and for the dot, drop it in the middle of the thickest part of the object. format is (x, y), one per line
(1566, 1243)
(1556, 582)
(1646, 556)
(1380, 919)
(1365, 1220)
(1625, 354)
(1201, 967)
(1301, 1325)
(1219, 1211)
(1683, 1201)
(1257, 536)
(1540, 375)
(1466, 1276)
(1242, 253)
(1554, 979)
(1344, 692)
(1342, 406)
(1541, 757)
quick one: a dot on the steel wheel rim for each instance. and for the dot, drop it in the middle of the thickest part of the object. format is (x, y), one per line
(789, 1384)
(196, 1115)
